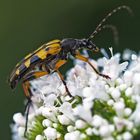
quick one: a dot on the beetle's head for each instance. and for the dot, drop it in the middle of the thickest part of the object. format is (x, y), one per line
(88, 44)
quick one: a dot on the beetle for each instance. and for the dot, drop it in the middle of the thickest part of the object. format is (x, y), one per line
(51, 56)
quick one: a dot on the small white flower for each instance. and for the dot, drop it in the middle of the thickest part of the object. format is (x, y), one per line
(108, 138)
(127, 136)
(70, 128)
(19, 119)
(119, 137)
(128, 76)
(111, 89)
(119, 81)
(111, 128)
(129, 125)
(115, 94)
(39, 110)
(123, 87)
(83, 113)
(88, 92)
(75, 135)
(129, 91)
(136, 79)
(112, 66)
(88, 103)
(50, 133)
(95, 131)
(104, 131)
(55, 125)
(21, 131)
(83, 136)
(119, 107)
(46, 123)
(80, 124)
(49, 113)
(119, 123)
(64, 120)
(127, 111)
(136, 115)
(110, 102)
(50, 99)
(66, 109)
(134, 57)
(89, 131)
(58, 135)
(97, 121)
(127, 54)
(39, 137)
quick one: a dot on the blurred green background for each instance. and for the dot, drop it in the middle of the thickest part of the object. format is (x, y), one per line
(25, 25)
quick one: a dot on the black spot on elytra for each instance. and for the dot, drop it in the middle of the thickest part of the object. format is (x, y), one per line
(34, 59)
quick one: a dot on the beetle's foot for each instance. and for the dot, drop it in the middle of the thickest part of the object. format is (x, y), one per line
(69, 93)
(105, 76)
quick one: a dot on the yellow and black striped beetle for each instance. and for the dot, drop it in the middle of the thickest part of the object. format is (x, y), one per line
(52, 55)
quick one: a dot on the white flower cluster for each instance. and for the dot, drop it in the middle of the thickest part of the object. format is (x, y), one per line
(101, 109)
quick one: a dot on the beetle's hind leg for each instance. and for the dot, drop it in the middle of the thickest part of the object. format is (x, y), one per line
(27, 109)
(27, 92)
(26, 87)
(82, 58)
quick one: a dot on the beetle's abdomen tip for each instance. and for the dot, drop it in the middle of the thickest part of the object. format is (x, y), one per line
(12, 84)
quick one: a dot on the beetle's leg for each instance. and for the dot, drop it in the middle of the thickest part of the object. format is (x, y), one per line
(62, 79)
(60, 63)
(27, 91)
(27, 109)
(28, 77)
(80, 57)
(57, 66)
(26, 88)
(34, 75)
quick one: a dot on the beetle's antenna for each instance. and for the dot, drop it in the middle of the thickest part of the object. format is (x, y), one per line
(114, 31)
(98, 28)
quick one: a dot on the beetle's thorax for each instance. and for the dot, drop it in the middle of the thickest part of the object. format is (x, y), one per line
(70, 44)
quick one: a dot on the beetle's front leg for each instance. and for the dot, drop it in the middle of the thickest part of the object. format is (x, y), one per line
(82, 58)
